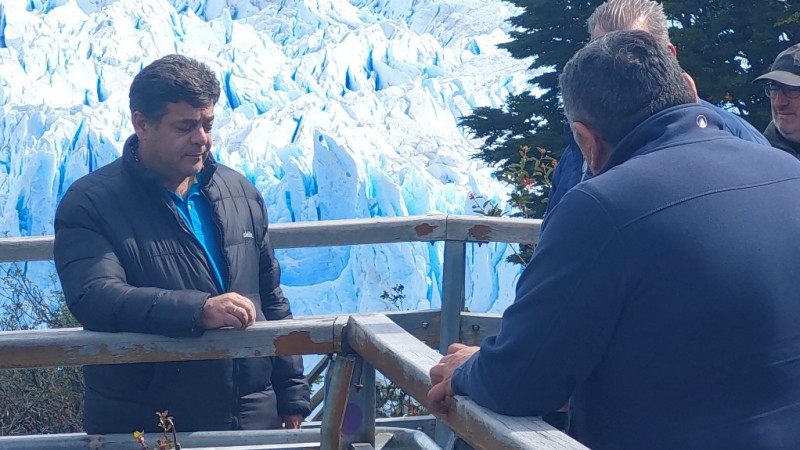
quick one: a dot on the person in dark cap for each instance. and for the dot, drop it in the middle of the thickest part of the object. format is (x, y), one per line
(783, 90)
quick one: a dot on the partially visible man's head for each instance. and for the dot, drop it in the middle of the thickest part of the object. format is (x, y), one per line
(172, 79)
(783, 89)
(617, 81)
(617, 15)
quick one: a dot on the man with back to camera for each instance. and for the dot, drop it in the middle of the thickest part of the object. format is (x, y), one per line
(783, 91)
(165, 240)
(645, 15)
(662, 297)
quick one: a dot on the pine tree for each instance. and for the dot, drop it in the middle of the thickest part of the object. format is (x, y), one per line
(550, 31)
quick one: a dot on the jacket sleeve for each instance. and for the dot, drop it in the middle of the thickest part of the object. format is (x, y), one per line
(567, 305)
(291, 388)
(95, 286)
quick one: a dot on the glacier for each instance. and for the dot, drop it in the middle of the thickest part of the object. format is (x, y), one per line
(334, 109)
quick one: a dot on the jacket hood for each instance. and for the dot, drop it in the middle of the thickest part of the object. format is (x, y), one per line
(678, 124)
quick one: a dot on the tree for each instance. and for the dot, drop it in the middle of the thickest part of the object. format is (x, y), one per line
(37, 401)
(723, 44)
(550, 31)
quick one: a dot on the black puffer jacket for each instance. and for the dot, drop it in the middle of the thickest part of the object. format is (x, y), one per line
(128, 262)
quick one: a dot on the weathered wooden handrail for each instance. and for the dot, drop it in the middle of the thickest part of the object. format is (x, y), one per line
(306, 335)
(407, 362)
(74, 346)
(334, 233)
(306, 438)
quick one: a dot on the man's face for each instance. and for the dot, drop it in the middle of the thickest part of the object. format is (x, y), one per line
(786, 110)
(177, 146)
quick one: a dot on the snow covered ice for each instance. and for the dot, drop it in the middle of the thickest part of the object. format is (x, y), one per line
(334, 109)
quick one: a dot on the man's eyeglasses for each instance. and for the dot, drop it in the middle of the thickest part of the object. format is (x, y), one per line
(792, 92)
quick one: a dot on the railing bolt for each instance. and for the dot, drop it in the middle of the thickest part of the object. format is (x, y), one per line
(424, 324)
(476, 327)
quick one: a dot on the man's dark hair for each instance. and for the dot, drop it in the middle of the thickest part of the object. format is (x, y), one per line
(172, 79)
(617, 81)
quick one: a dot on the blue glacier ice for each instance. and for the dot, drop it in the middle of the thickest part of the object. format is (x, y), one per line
(334, 109)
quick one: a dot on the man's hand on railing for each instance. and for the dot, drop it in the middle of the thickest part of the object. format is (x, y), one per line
(228, 310)
(442, 373)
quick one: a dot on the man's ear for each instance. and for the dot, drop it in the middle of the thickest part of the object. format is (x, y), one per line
(141, 126)
(593, 147)
(690, 82)
(672, 50)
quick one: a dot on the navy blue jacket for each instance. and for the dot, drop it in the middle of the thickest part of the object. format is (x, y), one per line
(569, 170)
(663, 298)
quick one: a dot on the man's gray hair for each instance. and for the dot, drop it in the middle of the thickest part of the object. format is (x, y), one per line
(617, 15)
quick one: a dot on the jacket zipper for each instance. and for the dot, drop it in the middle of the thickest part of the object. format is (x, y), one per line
(221, 243)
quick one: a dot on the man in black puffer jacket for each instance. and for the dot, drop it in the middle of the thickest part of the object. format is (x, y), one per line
(164, 240)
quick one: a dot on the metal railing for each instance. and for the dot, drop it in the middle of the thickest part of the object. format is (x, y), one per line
(397, 344)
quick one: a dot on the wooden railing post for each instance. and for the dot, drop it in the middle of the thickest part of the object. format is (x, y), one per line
(337, 384)
(453, 280)
(358, 426)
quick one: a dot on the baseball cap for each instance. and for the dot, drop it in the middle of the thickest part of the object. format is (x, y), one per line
(786, 68)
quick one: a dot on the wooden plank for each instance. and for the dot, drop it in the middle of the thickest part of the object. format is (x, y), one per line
(331, 233)
(407, 362)
(475, 327)
(74, 346)
(37, 248)
(251, 439)
(193, 440)
(377, 230)
(423, 324)
(493, 229)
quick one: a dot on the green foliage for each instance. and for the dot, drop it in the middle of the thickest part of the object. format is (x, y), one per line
(530, 180)
(37, 401)
(391, 401)
(169, 435)
(394, 300)
(723, 44)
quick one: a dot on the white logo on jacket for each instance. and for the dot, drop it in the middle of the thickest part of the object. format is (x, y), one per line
(247, 234)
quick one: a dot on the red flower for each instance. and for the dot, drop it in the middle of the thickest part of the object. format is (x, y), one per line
(527, 181)
(471, 196)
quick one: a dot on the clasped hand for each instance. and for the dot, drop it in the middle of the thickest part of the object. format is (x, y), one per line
(442, 373)
(228, 310)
